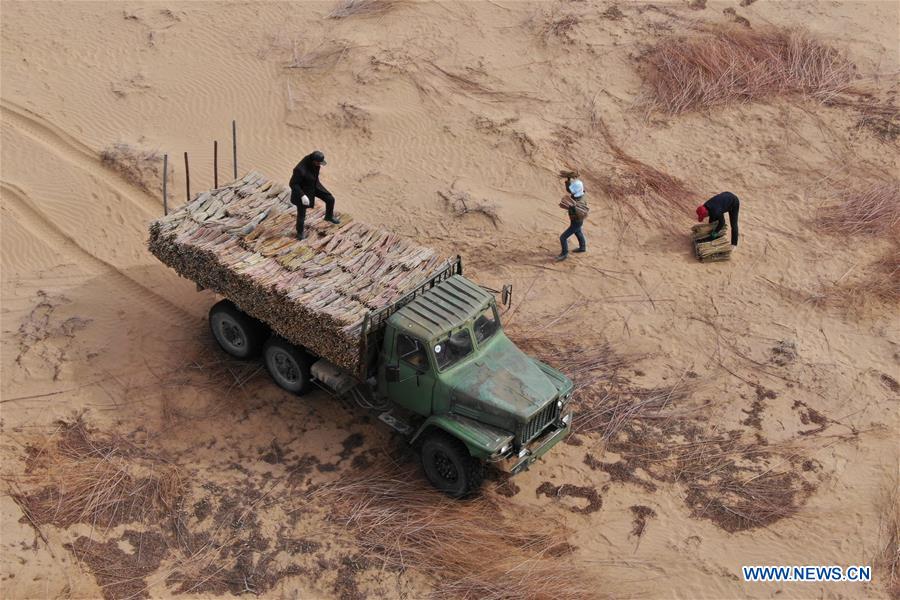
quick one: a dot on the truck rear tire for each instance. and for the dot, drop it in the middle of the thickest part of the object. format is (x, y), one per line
(288, 365)
(449, 466)
(237, 333)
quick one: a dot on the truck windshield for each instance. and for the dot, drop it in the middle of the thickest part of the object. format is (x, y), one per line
(486, 324)
(453, 349)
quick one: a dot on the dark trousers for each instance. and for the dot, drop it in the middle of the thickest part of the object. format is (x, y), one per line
(301, 213)
(574, 229)
(733, 219)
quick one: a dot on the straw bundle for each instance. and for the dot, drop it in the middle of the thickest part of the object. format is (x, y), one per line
(708, 250)
(239, 241)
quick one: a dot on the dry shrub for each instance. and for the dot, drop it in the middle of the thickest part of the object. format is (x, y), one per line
(562, 28)
(359, 8)
(81, 476)
(731, 65)
(879, 283)
(469, 547)
(866, 211)
(141, 168)
(888, 560)
(462, 203)
(873, 208)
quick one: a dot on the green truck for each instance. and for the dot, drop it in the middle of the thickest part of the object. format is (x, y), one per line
(366, 315)
(441, 370)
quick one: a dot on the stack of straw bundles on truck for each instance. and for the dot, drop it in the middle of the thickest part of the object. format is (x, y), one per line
(239, 241)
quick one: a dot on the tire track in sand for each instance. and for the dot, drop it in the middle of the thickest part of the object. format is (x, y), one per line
(74, 151)
(44, 228)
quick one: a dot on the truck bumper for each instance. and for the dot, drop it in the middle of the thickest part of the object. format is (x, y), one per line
(536, 449)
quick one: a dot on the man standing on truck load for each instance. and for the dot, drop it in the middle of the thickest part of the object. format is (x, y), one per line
(715, 208)
(305, 188)
(576, 205)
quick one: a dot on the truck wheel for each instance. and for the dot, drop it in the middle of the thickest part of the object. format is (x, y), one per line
(449, 466)
(238, 334)
(288, 365)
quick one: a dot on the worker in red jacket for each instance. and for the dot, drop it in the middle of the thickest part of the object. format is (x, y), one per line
(715, 208)
(305, 188)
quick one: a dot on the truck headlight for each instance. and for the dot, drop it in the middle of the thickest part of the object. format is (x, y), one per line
(559, 404)
(504, 449)
(567, 419)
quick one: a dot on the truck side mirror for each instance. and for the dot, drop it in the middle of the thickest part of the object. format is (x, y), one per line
(506, 295)
(392, 373)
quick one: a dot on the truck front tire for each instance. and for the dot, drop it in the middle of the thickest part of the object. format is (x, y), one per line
(449, 466)
(238, 334)
(288, 365)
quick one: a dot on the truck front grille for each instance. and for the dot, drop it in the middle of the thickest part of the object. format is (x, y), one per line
(538, 423)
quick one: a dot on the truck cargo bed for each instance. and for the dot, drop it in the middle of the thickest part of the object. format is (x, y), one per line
(239, 241)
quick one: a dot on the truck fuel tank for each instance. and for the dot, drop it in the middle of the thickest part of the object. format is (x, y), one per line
(333, 378)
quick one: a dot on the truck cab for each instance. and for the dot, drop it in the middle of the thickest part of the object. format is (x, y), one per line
(475, 397)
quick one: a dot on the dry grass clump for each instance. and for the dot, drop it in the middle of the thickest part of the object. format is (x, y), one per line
(866, 211)
(469, 547)
(364, 8)
(462, 203)
(733, 65)
(880, 283)
(141, 168)
(81, 476)
(881, 119)
(873, 208)
(561, 28)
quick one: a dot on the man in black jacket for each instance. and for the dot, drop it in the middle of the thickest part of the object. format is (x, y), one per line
(305, 187)
(715, 208)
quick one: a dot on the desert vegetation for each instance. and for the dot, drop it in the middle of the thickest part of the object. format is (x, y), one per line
(734, 65)
(866, 213)
(351, 8)
(141, 168)
(470, 548)
(76, 476)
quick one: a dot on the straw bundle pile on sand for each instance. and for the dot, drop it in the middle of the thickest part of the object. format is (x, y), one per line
(239, 241)
(708, 250)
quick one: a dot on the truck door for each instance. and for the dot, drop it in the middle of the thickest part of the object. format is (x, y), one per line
(412, 383)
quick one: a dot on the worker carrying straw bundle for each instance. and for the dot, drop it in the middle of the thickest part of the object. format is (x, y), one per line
(575, 204)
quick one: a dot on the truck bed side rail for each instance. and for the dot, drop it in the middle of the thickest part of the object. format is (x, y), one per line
(374, 321)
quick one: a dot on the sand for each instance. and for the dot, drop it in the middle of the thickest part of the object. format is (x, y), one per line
(490, 99)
